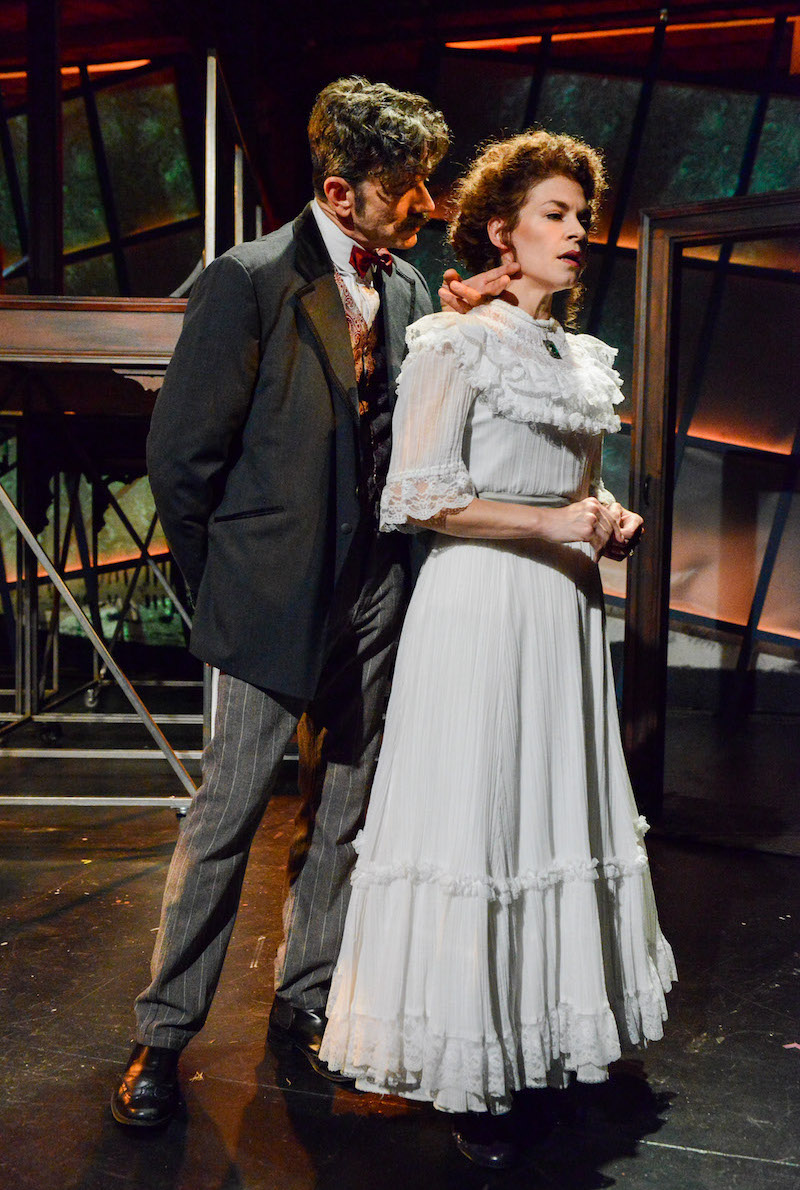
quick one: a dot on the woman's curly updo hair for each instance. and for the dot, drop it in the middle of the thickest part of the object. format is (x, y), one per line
(499, 180)
(359, 130)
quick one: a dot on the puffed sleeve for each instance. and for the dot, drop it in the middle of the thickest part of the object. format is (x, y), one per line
(427, 474)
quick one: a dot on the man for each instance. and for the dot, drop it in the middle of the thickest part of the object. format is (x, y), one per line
(269, 443)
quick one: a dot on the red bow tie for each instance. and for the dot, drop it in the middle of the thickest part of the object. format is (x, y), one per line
(363, 260)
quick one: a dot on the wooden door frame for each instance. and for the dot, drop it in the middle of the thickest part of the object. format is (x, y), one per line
(663, 234)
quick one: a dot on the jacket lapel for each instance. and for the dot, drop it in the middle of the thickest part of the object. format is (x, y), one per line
(320, 303)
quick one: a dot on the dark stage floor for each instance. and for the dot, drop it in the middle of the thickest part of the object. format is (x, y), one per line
(715, 1105)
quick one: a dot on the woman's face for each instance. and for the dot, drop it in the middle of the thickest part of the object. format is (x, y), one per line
(550, 238)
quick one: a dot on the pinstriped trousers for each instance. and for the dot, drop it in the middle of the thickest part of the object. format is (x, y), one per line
(339, 740)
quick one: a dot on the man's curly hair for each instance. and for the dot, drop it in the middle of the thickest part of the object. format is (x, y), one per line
(359, 130)
(497, 185)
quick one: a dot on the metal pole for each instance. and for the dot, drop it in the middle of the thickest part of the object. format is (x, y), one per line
(211, 160)
(238, 195)
(94, 476)
(211, 675)
(99, 645)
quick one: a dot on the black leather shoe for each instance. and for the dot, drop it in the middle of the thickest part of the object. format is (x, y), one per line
(148, 1095)
(485, 1139)
(300, 1029)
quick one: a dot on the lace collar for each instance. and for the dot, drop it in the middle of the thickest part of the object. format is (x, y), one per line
(501, 351)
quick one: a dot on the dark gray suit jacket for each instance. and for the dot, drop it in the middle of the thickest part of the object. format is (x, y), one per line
(253, 450)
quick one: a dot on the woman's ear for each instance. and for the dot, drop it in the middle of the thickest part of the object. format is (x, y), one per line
(496, 231)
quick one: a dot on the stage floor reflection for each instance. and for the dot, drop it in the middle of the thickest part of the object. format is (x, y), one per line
(712, 1106)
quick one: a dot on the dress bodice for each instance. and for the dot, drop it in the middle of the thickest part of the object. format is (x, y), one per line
(497, 401)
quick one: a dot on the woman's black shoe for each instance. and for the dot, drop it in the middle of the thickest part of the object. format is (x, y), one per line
(485, 1139)
(148, 1095)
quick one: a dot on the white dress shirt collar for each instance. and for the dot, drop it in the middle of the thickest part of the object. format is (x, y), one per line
(338, 243)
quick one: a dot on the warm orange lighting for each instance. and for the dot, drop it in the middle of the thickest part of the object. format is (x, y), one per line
(688, 607)
(494, 43)
(94, 68)
(122, 561)
(515, 43)
(700, 433)
(765, 624)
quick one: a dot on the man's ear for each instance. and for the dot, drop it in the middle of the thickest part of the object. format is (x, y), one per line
(339, 195)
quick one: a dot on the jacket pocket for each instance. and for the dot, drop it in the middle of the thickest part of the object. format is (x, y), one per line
(249, 512)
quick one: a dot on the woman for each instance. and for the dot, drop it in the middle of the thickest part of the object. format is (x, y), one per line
(502, 931)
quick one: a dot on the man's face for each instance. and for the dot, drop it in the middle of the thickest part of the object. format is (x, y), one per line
(384, 219)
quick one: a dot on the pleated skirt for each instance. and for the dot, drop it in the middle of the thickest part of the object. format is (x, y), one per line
(502, 929)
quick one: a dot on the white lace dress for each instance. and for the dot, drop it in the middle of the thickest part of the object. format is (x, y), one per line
(502, 929)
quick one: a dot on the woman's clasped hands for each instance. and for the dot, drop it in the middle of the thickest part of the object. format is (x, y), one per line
(610, 529)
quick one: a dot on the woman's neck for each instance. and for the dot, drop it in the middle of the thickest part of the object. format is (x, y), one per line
(529, 297)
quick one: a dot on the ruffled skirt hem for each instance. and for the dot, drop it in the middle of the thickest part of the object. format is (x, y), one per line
(419, 1058)
(460, 1074)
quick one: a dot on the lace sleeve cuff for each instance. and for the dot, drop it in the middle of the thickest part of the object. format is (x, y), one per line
(601, 493)
(422, 495)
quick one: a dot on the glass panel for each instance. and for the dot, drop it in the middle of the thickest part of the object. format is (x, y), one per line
(777, 165)
(616, 323)
(695, 289)
(725, 503)
(10, 248)
(95, 277)
(432, 255)
(726, 497)
(704, 252)
(598, 110)
(8, 533)
(157, 268)
(146, 151)
(781, 612)
(114, 543)
(480, 100)
(18, 130)
(16, 285)
(781, 254)
(693, 146)
(9, 236)
(750, 382)
(617, 464)
(84, 218)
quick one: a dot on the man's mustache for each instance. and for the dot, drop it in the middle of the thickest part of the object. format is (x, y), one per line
(414, 222)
